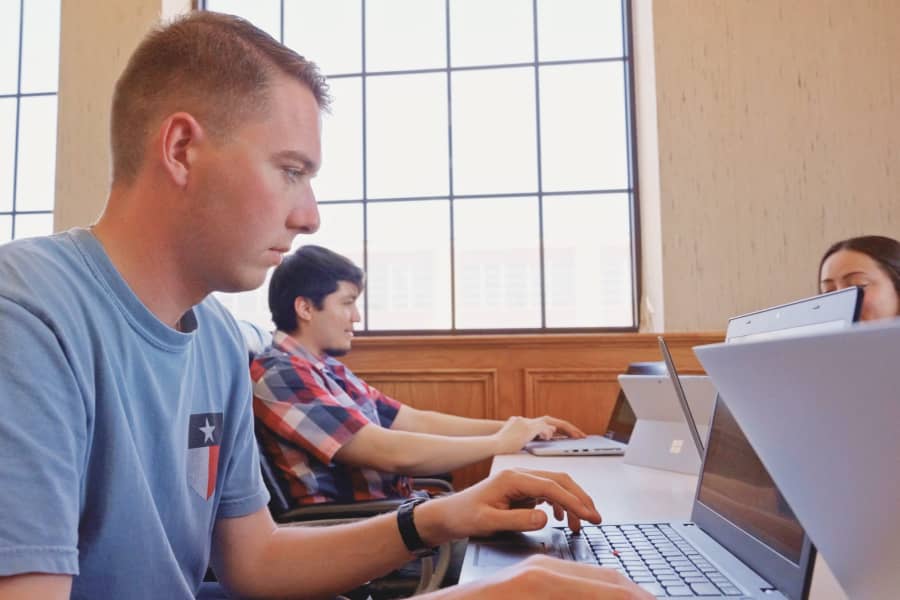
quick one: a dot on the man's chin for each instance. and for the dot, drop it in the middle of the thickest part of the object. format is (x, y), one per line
(336, 352)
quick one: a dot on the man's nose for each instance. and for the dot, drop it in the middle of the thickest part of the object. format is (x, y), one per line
(305, 217)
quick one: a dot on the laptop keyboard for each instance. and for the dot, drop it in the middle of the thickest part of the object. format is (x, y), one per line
(654, 556)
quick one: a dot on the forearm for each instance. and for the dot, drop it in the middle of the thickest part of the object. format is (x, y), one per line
(436, 423)
(415, 453)
(316, 562)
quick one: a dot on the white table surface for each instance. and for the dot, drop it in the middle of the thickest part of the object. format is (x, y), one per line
(626, 493)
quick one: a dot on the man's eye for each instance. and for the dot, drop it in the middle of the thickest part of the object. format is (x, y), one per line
(292, 174)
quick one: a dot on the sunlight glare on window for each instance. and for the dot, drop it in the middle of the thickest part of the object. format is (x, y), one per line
(406, 143)
(494, 132)
(392, 48)
(409, 265)
(583, 131)
(9, 46)
(588, 260)
(265, 14)
(40, 46)
(36, 173)
(328, 33)
(340, 177)
(498, 251)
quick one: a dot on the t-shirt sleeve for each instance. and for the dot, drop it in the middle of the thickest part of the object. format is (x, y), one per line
(289, 401)
(386, 406)
(43, 436)
(244, 491)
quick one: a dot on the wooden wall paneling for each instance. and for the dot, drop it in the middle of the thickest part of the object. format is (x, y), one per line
(463, 392)
(585, 397)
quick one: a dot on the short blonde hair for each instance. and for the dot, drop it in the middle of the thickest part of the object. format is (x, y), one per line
(216, 67)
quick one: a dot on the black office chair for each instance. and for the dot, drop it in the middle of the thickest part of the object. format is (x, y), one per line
(623, 418)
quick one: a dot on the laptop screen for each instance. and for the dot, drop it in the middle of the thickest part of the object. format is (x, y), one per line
(737, 500)
(737, 486)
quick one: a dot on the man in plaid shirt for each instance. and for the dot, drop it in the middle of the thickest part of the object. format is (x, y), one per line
(333, 437)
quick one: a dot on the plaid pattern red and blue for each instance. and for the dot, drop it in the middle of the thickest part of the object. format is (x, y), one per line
(306, 409)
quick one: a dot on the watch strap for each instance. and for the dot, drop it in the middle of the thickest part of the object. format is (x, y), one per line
(407, 526)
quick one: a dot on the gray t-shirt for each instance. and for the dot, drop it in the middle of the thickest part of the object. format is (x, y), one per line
(121, 440)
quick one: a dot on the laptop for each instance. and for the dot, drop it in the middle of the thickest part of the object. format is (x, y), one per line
(680, 393)
(743, 539)
(592, 445)
(661, 438)
(823, 413)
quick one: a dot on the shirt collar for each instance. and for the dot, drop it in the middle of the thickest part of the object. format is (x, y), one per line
(288, 344)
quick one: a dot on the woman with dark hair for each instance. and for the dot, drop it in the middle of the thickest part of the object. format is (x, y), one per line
(871, 262)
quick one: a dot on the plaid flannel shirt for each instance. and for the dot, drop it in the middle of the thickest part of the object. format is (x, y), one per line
(306, 409)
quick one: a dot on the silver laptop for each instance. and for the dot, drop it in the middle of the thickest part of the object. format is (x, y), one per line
(592, 445)
(661, 438)
(743, 540)
(823, 412)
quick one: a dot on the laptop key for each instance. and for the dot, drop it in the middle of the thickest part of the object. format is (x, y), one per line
(705, 589)
(679, 590)
(653, 588)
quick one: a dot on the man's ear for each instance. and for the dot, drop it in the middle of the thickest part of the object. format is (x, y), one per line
(303, 308)
(181, 136)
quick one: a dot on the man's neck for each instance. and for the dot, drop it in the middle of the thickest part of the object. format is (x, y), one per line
(307, 345)
(139, 248)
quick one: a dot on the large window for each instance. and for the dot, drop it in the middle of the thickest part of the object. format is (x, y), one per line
(29, 68)
(477, 159)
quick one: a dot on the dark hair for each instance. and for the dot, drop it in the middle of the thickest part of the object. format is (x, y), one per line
(312, 272)
(883, 250)
(216, 67)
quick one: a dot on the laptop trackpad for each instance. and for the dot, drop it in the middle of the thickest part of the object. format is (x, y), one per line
(508, 549)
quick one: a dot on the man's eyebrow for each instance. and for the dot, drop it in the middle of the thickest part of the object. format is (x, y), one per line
(309, 164)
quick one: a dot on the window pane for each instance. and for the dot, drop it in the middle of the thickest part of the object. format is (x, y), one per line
(328, 33)
(406, 142)
(265, 14)
(409, 265)
(496, 32)
(9, 49)
(421, 44)
(37, 153)
(587, 258)
(252, 306)
(40, 46)
(33, 225)
(7, 151)
(341, 231)
(494, 126)
(341, 175)
(498, 279)
(5, 228)
(573, 29)
(583, 143)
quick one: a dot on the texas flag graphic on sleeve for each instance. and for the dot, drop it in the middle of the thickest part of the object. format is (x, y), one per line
(204, 439)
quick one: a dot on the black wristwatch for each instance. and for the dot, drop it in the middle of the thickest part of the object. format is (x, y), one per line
(407, 526)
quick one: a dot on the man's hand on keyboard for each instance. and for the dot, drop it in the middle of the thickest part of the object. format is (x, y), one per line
(505, 502)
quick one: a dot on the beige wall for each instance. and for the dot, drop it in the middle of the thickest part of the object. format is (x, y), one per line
(96, 39)
(778, 133)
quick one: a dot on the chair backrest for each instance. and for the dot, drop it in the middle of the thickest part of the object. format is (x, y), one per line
(279, 501)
